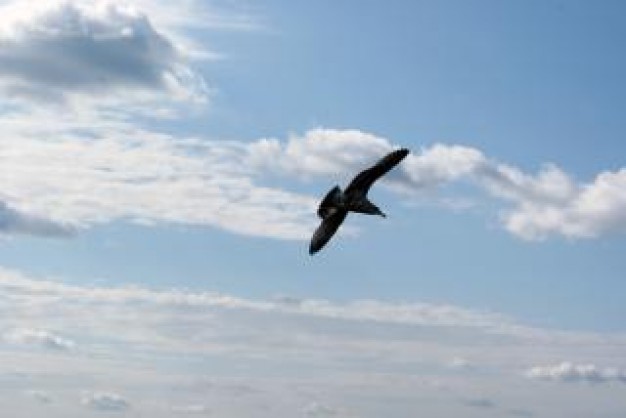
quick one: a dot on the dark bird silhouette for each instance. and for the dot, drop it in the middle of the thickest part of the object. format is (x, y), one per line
(336, 204)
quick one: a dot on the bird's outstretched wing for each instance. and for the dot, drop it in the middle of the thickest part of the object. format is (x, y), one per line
(329, 202)
(364, 180)
(326, 230)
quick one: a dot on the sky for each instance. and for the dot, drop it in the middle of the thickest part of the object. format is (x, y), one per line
(161, 164)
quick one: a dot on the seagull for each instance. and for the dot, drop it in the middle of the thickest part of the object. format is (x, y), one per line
(337, 203)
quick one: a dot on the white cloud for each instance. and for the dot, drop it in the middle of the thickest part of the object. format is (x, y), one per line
(571, 372)
(16, 222)
(460, 363)
(118, 56)
(105, 401)
(102, 58)
(124, 172)
(38, 337)
(121, 171)
(107, 61)
(577, 211)
(332, 153)
(548, 203)
(359, 310)
(102, 47)
(199, 14)
(320, 152)
(254, 357)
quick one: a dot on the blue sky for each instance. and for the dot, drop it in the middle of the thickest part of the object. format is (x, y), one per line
(160, 170)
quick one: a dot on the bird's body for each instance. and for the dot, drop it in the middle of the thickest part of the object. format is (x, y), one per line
(337, 203)
(337, 200)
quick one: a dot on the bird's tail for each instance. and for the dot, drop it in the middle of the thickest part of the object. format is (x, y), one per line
(366, 207)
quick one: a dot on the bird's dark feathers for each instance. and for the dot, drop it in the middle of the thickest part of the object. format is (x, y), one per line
(326, 230)
(329, 202)
(335, 206)
(364, 180)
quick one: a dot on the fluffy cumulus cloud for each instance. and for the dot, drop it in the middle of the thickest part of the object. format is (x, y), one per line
(320, 152)
(333, 153)
(572, 372)
(537, 205)
(55, 48)
(551, 202)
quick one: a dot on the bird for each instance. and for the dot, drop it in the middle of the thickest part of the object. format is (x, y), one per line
(335, 206)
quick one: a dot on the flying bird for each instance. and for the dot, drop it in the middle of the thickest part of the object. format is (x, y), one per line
(337, 203)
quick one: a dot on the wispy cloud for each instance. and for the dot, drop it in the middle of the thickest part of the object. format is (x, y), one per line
(360, 310)
(238, 355)
(38, 337)
(124, 172)
(571, 372)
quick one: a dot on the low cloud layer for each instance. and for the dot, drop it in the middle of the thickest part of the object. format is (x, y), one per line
(161, 353)
(359, 310)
